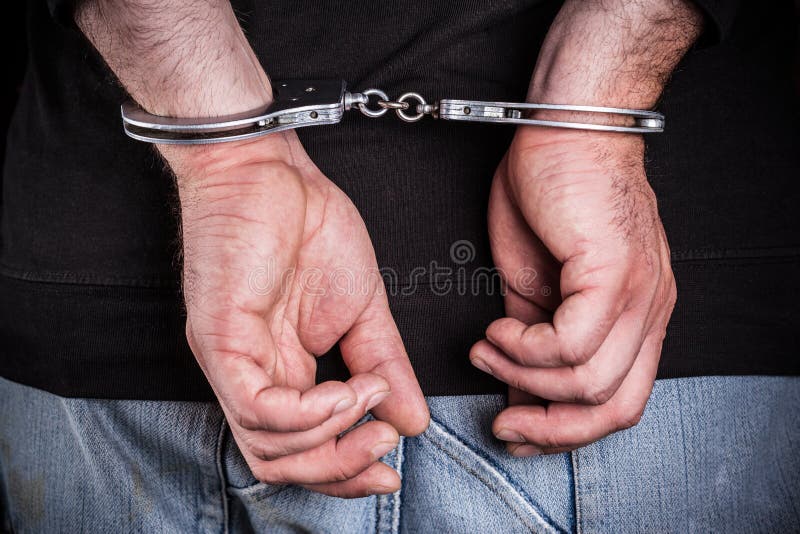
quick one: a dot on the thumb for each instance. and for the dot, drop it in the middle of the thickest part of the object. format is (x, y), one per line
(374, 345)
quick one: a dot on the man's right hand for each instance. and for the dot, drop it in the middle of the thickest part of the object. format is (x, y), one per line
(278, 266)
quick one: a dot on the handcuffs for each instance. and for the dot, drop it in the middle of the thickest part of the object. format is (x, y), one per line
(300, 103)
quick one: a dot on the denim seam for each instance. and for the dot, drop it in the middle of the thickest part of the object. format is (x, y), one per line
(683, 448)
(378, 514)
(575, 478)
(535, 520)
(221, 473)
(399, 458)
(387, 507)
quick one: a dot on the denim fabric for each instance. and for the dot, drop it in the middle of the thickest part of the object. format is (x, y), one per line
(710, 454)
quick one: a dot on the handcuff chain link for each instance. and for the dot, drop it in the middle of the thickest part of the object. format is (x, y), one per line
(400, 106)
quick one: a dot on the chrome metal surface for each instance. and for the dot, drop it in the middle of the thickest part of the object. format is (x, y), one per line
(373, 113)
(300, 103)
(411, 96)
(643, 121)
(297, 104)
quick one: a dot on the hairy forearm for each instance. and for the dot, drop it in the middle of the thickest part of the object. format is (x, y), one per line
(613, 52)
(177, 57)
(180, 58)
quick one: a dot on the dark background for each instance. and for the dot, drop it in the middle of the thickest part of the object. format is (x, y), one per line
(13, 28)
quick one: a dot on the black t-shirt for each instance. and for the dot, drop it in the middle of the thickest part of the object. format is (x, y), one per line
(90, 299)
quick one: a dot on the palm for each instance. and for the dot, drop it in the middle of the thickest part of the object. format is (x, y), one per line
(329, 281)
(278, 268)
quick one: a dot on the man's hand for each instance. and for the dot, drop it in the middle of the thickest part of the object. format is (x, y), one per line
(278, 266)
(578, 211)
(580, 345)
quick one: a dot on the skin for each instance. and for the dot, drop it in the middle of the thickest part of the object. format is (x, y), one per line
(264, 235)
(576, 207)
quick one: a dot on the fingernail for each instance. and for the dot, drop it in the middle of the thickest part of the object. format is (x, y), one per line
(480, 364)
(382, 448)
(343, 405)
(509, 435)
(526, 450)
(376, 399)
(383, 489)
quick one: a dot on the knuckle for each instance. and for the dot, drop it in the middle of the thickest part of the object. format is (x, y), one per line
(576, 350)
(247, 420)
(244, 421)
(516, 381)
(596, 394)
(672, 295)
(629, 419)
(267, 450)
(267, 474)
(575, 356)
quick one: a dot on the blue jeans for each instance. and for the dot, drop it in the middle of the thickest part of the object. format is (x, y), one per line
(710, 454)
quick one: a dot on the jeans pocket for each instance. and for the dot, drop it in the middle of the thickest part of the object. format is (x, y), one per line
(239, 478)
(482, 480)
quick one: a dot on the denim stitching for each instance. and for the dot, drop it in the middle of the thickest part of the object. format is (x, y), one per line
(499, 469)
(683, 444)
(385, 504)
(397, 501)
(256, 492)
(377, 514)
(575, 474)
(260, 491)
(491, 470)
(221, 474)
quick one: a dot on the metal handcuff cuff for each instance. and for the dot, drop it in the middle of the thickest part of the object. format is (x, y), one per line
(300, 103)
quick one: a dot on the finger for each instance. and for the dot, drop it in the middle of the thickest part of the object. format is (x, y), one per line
(525, 264)
(373, 345)
(285, 409)
(596, 294)
(522, 309)
(370, 390)
(377, 479)
(529, 313)
(562, 426)
(241, 371)
(592, 383)
(523, 450)
(334, 461)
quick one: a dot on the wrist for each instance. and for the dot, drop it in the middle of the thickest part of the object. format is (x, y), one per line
(199, 167)
(551, 149)
(615, 53)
